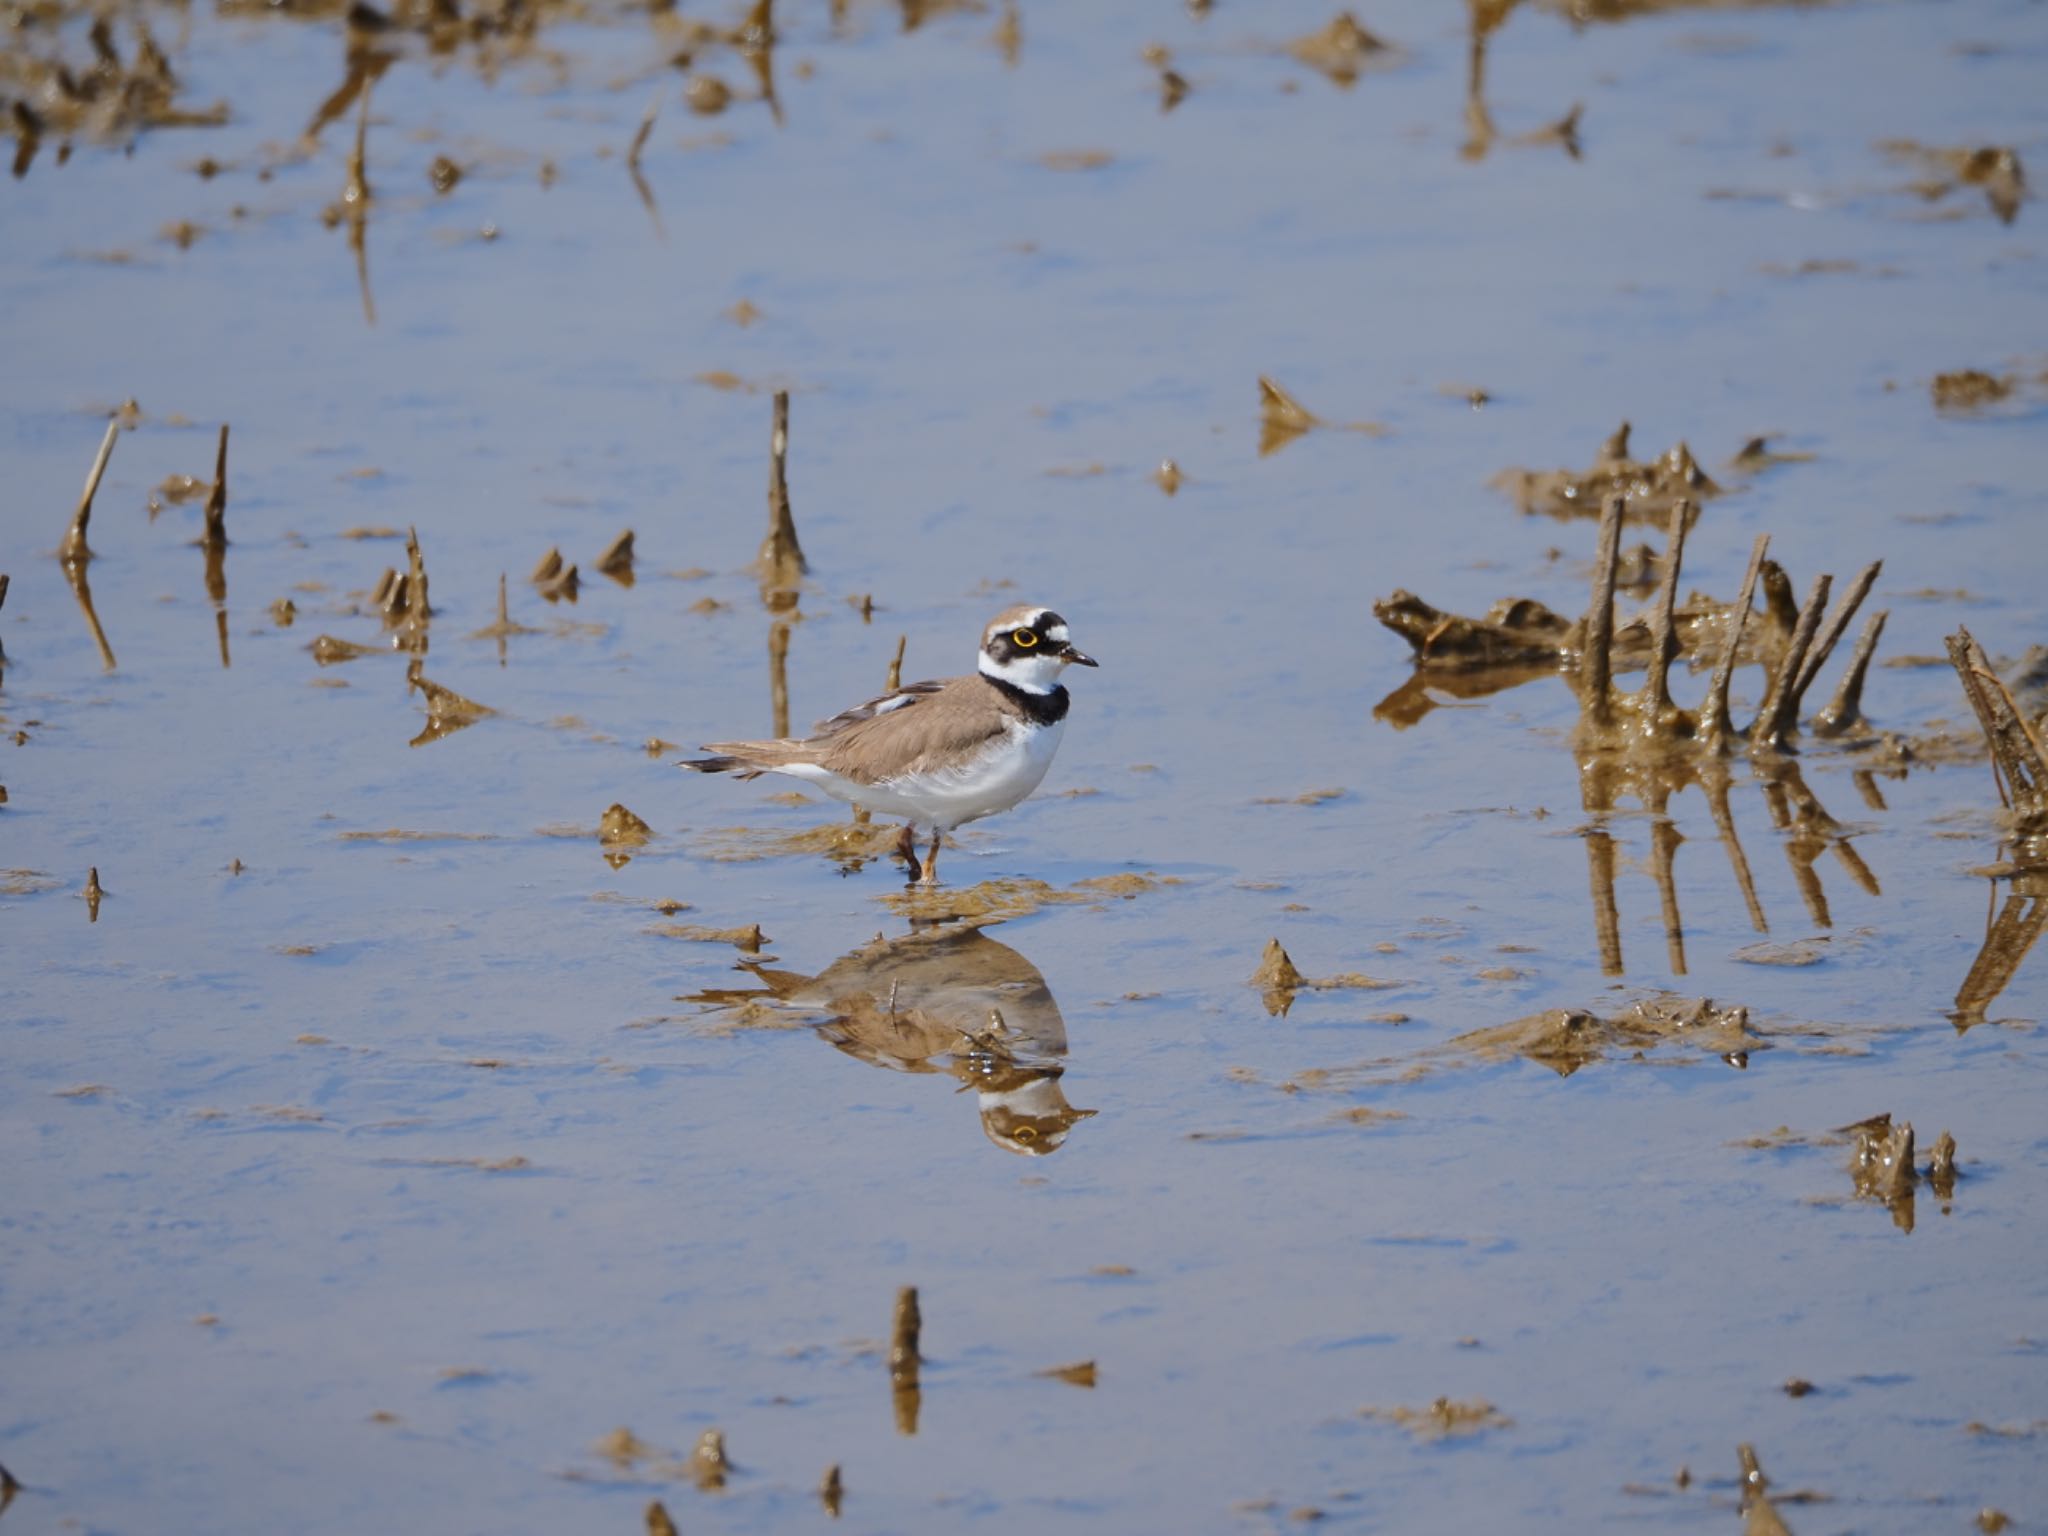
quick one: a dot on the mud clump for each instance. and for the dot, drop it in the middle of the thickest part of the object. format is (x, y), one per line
(1339, 51)
(709, 1465)
(1282, 419)
(906, 1329)
(749, 938)
(1514, 632)
(1079, 1373)
(1444, 1419)
(1566, 1039)
(619, 826)
(1969, 389)
(447, 710)
(1279, 981)
(1648, 488)
(1883, 1168)
(109, 100)
(329, 651)
(1993, 168)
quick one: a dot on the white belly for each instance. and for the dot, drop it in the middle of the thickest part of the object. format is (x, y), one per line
(1004, 773)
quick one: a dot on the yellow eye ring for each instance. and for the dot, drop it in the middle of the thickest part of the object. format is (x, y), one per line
(1024, 639)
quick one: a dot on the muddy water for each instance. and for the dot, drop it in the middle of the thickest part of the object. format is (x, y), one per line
(385, 1143)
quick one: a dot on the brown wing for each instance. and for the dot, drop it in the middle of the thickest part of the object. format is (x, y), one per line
(881, 704)
(942, 724)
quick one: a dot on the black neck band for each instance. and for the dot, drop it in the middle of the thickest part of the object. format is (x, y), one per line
(1039, 708)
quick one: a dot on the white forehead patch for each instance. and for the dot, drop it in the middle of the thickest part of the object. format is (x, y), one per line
(1029, 620)
(1057, 634)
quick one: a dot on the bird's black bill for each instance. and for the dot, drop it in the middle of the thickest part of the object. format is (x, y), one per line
(1078, 658)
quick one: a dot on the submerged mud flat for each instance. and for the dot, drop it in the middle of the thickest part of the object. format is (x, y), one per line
(1350, 1092)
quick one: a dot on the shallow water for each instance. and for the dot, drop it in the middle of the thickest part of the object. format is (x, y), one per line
(310, 1076)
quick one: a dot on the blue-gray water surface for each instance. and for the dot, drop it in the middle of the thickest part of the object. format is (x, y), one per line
(374, 1154)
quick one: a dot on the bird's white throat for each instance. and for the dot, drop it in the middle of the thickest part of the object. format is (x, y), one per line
(1034, 674)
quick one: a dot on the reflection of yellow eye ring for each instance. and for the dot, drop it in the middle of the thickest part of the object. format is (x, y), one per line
(1024, 639)
(1025, 1133)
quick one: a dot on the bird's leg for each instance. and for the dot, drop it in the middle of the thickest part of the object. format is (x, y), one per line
(906, 850)
(931, 859)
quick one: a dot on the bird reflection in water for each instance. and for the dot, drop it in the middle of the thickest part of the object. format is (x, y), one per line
(951, 1001)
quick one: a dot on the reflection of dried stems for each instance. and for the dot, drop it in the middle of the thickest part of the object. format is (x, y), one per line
(904, 1359)
(778, 674)
(2020, 771)
(73, 550)
(1487, 17)
(81, 589)
(215, 544)
(93, 894)
(1643, 744)
(2019, 924)
(364, 66)
(354, 208)
(633, 166)
(780, 565)
(756, 43)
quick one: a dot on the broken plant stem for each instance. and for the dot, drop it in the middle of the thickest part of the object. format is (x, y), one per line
(1596, 676)
(1718, 730)
(217, 498)
(1845, 711)
(2018, 759)
(1663, 630)
(73, 550)
(1838, 623)
(1778, 716)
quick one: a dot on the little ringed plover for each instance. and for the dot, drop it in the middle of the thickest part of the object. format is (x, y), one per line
(938, 754)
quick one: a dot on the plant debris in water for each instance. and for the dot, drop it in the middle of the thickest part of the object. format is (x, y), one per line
(1648, 489)
(1445, 1419)
(1279, 981)
(1993, 168)
(1566, 1039)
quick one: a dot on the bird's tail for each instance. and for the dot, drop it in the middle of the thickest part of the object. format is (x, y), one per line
(723, 764)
